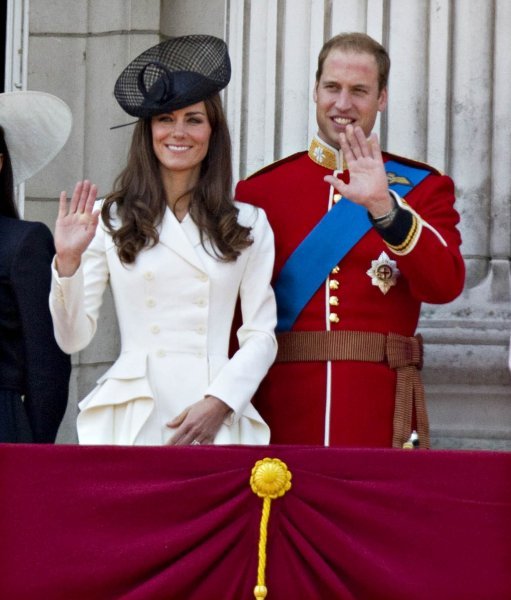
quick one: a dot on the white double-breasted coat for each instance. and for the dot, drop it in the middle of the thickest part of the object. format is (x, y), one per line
(175, 306)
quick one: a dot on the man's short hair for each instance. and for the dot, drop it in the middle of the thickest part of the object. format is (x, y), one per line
(359, 43)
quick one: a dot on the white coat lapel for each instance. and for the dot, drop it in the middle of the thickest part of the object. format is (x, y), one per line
(184, 243)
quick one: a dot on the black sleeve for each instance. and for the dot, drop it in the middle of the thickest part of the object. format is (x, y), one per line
(47, 368)
(398, 229)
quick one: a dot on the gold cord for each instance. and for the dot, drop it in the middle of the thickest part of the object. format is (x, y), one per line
(270, 479)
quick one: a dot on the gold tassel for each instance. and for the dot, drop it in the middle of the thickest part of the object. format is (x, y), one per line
(270, 479)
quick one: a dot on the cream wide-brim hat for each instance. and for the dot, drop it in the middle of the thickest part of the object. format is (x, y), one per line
(36, 127)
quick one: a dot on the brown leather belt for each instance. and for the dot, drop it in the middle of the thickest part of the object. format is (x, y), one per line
(404, 354)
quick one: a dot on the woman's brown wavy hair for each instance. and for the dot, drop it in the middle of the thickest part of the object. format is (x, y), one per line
(140, 201)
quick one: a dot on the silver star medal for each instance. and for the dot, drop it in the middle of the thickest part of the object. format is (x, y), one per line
(383, 272)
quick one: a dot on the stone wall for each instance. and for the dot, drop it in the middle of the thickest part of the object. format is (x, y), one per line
(77, 49)
(449, 98)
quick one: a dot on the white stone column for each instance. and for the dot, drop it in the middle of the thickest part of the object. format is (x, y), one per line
(449, 98)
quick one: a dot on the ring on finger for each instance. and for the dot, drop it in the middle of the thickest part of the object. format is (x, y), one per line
(195, 443)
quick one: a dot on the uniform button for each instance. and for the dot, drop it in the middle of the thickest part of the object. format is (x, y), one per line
(334, 318)
(148, 275)
(201, 330)
(155, 329)
(337, 197)
(335, 270)
(150, 302)
(160, 353)
(200, 354)
(333, 284)
(202, 277)
(201, 302)
(334, 301)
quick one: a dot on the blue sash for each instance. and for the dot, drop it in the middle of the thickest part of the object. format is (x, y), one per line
(327, 244)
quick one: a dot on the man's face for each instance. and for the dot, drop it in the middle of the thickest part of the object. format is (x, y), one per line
(347, 93)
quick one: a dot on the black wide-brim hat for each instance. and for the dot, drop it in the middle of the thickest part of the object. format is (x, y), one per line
(173, 74)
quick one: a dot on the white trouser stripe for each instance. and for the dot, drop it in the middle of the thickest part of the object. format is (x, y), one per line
(328, 402)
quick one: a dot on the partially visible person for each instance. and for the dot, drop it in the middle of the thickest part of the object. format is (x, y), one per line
(34, 372)
(178, 252)
(350, 277)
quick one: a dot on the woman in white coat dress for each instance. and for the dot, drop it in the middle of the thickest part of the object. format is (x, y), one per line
(178, 252)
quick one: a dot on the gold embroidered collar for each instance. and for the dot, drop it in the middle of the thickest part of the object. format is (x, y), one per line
(325, 155)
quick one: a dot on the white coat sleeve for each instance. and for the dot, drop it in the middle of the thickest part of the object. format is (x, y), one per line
(239, 379)
(75, 301)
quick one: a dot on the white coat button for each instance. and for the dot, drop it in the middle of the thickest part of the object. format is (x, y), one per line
(202, 277)
(148, 275)
(155, 329)
(150, 302)
(160, 353)
(201, 302)
(201, 330)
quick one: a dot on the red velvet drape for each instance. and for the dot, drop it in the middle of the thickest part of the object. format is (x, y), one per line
(103, 523)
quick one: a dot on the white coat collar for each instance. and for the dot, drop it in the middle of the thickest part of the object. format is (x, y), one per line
(182, 238)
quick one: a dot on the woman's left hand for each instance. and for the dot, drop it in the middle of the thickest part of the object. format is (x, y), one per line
(199, 423)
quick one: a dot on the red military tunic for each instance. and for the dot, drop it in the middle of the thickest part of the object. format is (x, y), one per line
(351, 403)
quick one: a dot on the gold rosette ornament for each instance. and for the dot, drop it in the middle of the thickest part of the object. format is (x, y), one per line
(270, 479)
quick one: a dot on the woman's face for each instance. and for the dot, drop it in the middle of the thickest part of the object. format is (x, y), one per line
(181, 138)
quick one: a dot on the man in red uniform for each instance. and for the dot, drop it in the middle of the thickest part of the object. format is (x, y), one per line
(362, 238)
